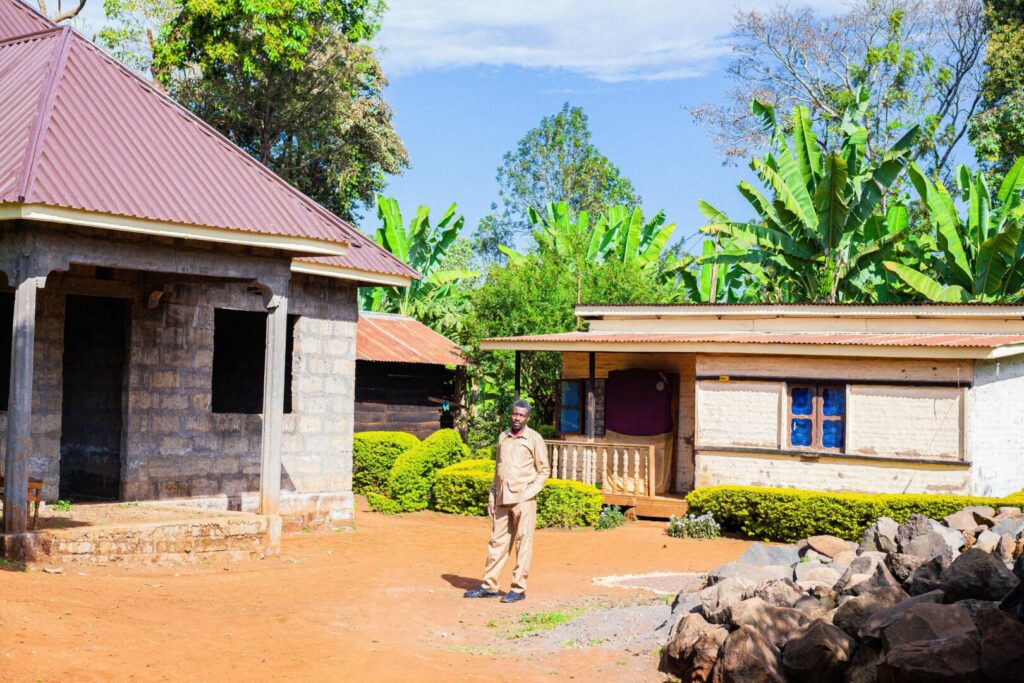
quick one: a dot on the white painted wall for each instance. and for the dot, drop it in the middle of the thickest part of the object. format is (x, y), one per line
(995, 427)
(739, 414)
(904, 421)
(827, 474)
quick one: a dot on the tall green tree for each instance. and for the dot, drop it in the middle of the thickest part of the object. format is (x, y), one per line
(978, 256)
(554, 162)
(997, 131)
(437, 300)
(294, 83)
(822, 225)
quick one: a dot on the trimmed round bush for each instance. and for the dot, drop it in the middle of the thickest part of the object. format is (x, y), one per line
(412, 475)
(565, 504)
(485, 453)
(373, 456)
(791, 514)
(462, 489)
(382, 503)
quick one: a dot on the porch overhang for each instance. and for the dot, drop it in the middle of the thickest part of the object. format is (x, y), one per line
(303, 246)
(938, 346)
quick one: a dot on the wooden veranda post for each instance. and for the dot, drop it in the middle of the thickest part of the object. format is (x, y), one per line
(591, 398)
(19, 406)
(273, 414)
(519, 370)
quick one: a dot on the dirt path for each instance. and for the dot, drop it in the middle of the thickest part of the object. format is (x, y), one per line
(381, 603)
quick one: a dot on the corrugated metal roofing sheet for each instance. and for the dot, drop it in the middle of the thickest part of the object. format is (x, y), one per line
(101, 139)
(984, 341)
(400, 339)
(17, 19)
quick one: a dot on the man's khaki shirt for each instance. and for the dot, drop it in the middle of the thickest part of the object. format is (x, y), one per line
(521, 468)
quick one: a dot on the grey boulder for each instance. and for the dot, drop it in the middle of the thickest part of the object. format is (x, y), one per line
(718, 600)
(762, 555)
(874, 625)
(952, 660)
(928, 621)
(902, 565)
(748, 657)
(820, 654)
(852, 614)
(1002, 646)
(977, 574)
(693, 648)
(830, 546)
(773, 622)
(880, 535)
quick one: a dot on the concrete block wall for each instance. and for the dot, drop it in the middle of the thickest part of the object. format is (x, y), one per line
(995, 427)
(176, 447)
(47, 392)
(173, 445)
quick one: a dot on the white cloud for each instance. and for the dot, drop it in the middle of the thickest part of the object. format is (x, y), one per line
(607, 40)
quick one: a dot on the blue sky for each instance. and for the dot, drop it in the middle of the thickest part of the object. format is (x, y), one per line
(470, 77)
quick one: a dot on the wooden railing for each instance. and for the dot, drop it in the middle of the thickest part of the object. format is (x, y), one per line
(617, 469)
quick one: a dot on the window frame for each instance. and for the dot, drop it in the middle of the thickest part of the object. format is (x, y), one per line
(599, 427)
(817, 416)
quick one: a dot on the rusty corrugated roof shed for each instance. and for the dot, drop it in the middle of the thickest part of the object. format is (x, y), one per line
(400, 339)
(84, 133)
(984, 341)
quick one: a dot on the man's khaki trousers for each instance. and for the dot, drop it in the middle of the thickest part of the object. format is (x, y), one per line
(511, 522)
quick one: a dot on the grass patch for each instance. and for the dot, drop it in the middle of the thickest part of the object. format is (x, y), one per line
(10, 566)
(542, 621)
(61, 506)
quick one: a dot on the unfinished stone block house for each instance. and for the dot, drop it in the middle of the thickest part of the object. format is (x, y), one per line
(659, 400)
(180, 322)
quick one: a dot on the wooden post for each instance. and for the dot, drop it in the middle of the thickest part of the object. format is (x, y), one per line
(591, 400)
(19, 407)
(273, 408)
(462, 398)
(519, 370)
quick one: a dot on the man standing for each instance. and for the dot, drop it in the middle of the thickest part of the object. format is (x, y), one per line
(519, 475)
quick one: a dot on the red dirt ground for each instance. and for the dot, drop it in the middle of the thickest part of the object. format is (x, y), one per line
(380, 603)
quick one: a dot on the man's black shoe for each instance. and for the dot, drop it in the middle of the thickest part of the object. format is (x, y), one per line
(513, 596)
(480, 593)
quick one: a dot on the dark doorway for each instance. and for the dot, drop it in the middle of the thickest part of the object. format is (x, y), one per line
(91, 415)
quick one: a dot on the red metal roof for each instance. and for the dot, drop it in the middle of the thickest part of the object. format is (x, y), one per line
(984, 341)
(81, 131)
(400, 339)
(17, 19)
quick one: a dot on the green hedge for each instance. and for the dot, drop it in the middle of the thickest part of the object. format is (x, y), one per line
(373, 455)
(790, 514)
(462, 489)
(412, 475)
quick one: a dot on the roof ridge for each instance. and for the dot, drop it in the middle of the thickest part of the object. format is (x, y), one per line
(40, 123)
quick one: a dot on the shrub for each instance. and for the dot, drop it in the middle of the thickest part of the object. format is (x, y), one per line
(373, 455)
(790, 514)
(565, 504)
(611, 517)
(547, 431)
(463, 488)
(485, 453)
(412, 475)
(382, 503)
(694, 526)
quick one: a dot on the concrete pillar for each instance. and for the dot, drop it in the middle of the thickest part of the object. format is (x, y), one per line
(19, 407)
(273, 413)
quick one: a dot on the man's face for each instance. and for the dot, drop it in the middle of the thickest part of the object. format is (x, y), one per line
(519, 418)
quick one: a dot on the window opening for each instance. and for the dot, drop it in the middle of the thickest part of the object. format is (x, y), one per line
(817, 415)
(239, 352)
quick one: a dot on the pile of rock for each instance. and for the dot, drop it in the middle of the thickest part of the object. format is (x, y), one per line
(919, 601)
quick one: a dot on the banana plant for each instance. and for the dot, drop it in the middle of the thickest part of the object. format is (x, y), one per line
(707, 279)
(821, 224)
(421, 246)
(976, 257)
(620, 234)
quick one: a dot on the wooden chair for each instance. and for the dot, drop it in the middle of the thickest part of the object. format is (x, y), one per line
(35, 495)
